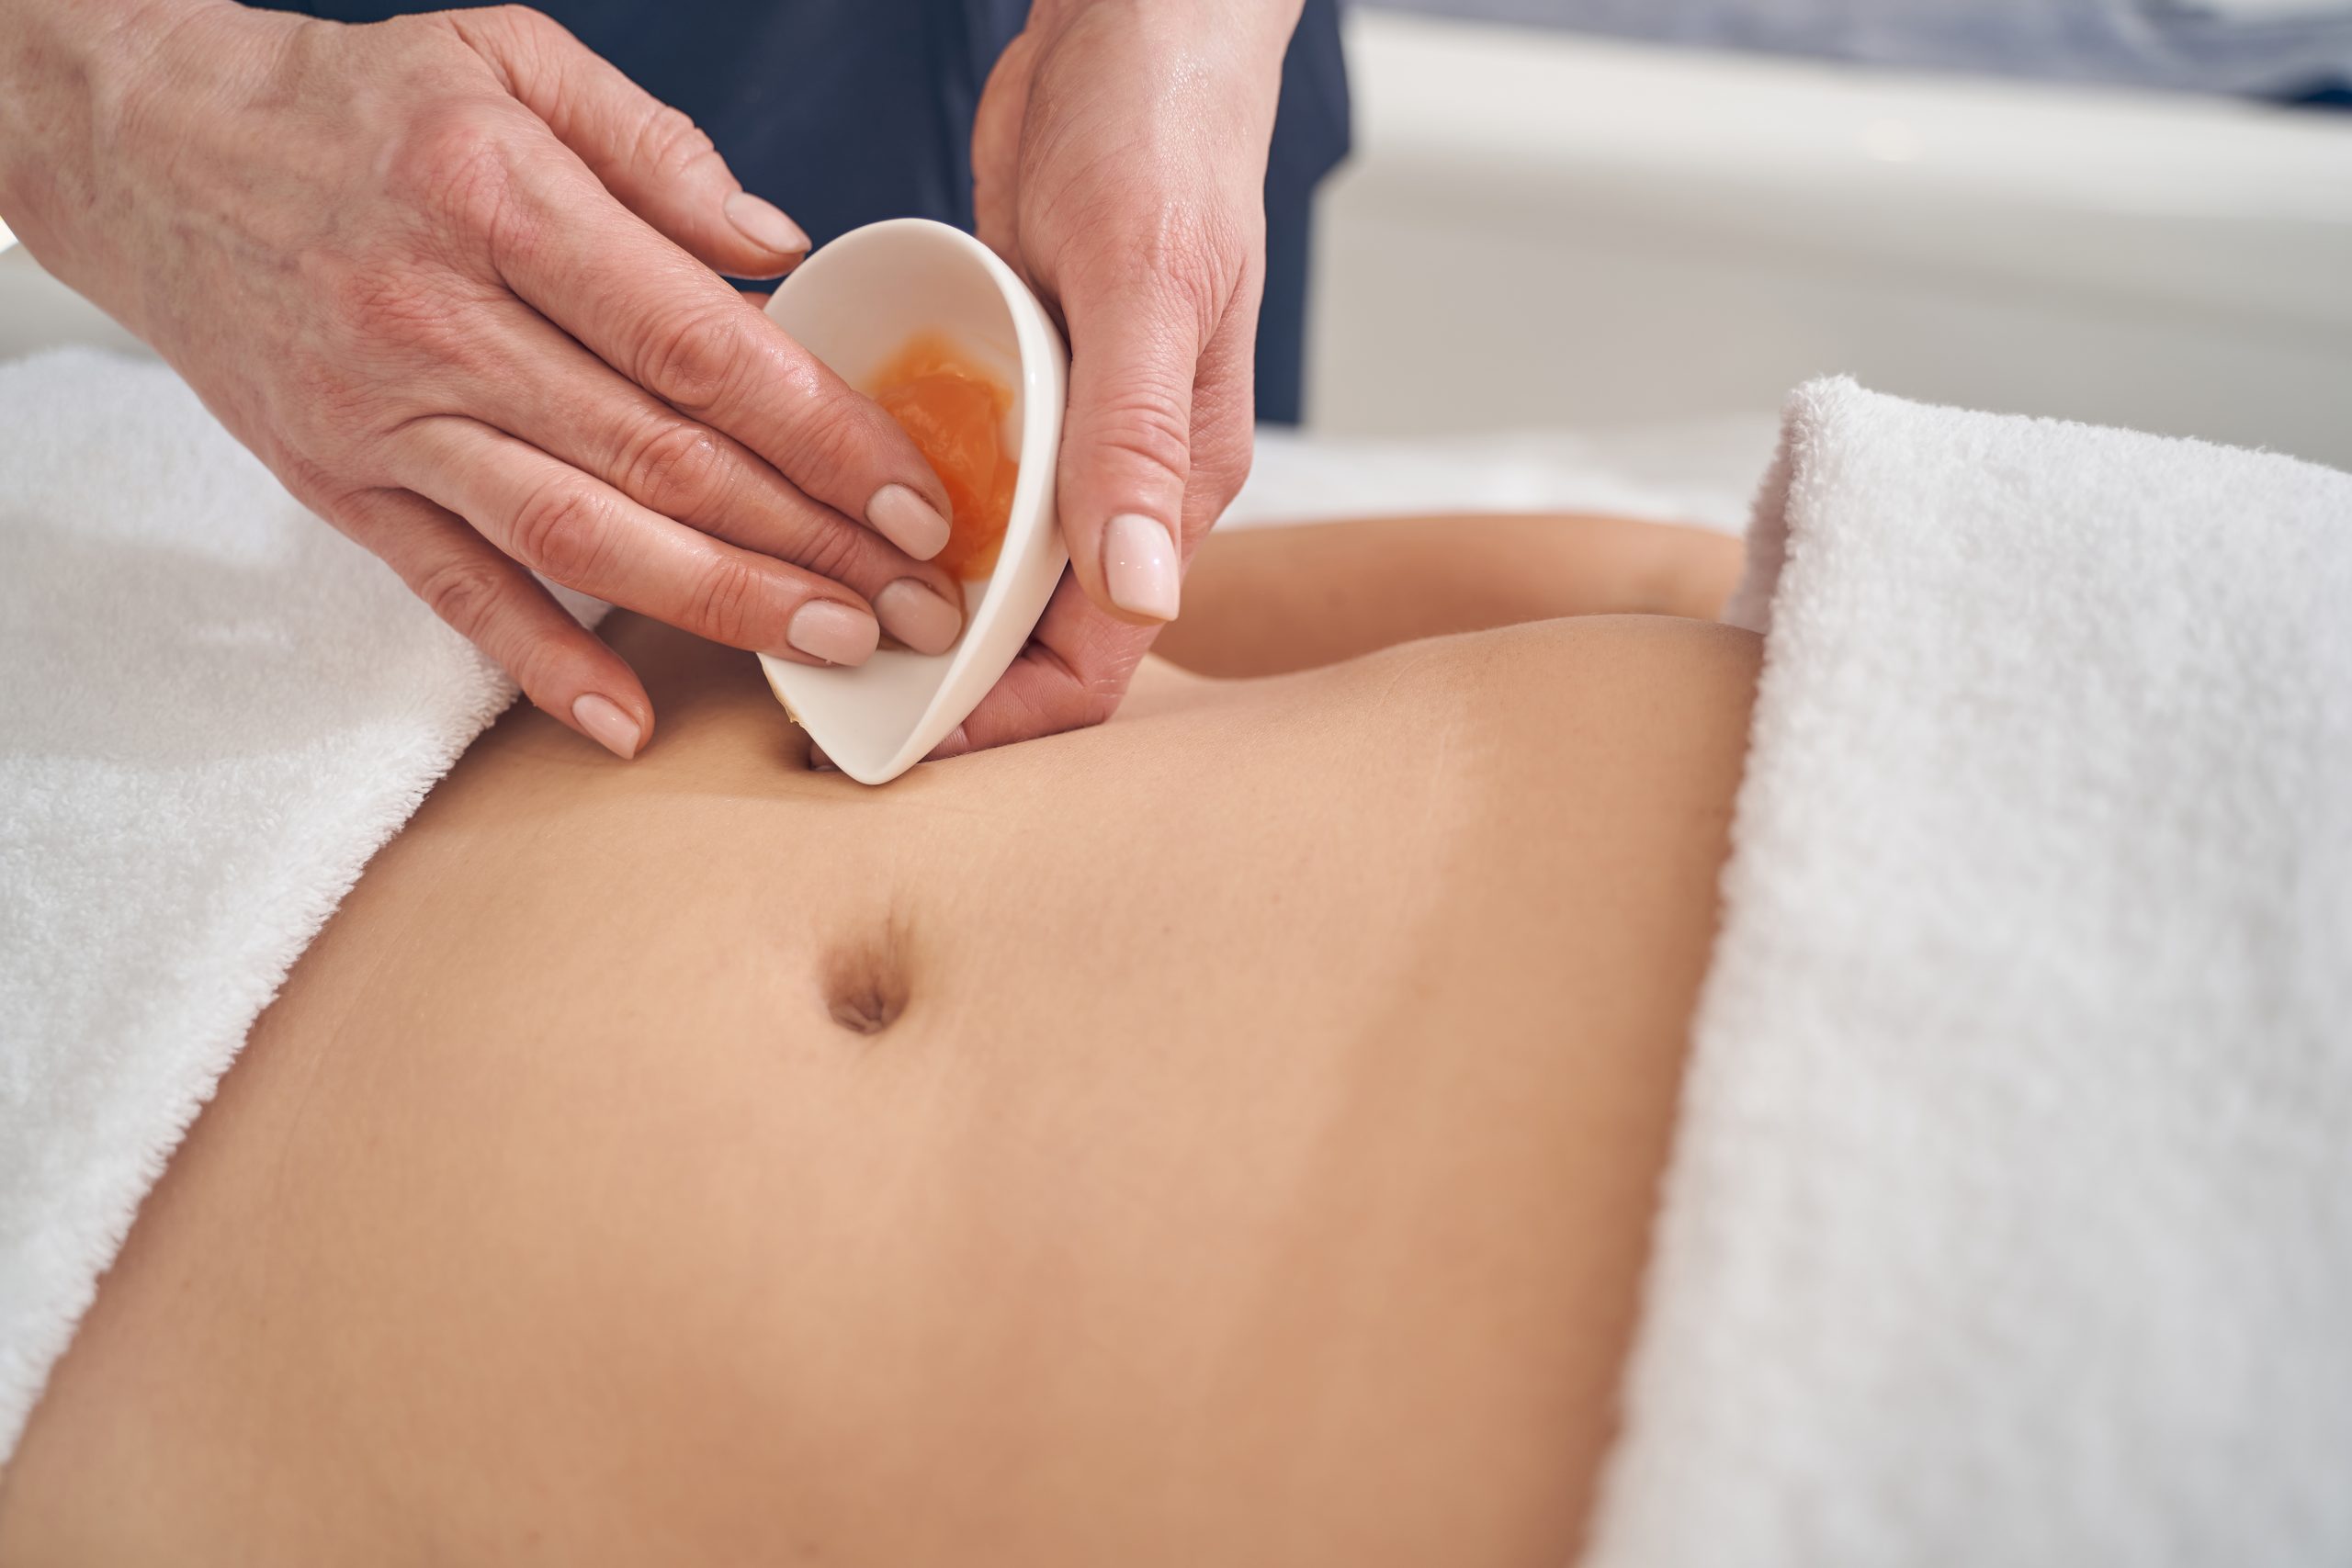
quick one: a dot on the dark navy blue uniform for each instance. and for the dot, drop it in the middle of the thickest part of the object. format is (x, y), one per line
(843, 112)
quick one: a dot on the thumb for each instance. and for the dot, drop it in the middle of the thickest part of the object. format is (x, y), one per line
(1126, 449)
(654, 160)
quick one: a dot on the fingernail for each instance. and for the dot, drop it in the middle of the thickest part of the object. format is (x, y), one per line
(1139, 566)
(818, 762)
(764, 224)
(955, 745)
(917, 618)
(908, 521)
(608, 725)
(832, 631)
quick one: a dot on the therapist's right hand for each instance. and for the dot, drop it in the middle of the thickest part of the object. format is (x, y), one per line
(450, 276)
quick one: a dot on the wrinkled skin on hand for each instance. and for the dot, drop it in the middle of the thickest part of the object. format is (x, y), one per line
(1119, 158)
(450, 276)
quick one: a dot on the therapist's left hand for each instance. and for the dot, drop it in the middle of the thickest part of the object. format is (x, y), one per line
(1119, 162)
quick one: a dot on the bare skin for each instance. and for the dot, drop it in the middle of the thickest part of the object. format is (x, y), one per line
(1274, 599)
(1227, 1135)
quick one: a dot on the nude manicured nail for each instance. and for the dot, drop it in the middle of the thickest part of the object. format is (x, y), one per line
(764, 224)
(832, 631)
(1139, 566)
(608, 725)
(908, 521)
(917, 618)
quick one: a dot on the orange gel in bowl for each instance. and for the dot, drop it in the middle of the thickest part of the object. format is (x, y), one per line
(954, 411)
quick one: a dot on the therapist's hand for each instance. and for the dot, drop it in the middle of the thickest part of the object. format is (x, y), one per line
(447, 276)
(1119, 157)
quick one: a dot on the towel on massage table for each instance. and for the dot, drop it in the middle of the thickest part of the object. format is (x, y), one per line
(2010, 1219)
(216, 709)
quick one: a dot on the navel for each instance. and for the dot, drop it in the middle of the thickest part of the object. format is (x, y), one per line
(865, 980)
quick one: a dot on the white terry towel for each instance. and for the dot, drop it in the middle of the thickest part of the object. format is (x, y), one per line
(215, 709)
(2011, 1216)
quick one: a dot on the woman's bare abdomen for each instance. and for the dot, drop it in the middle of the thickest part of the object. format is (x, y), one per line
(1226, 1136)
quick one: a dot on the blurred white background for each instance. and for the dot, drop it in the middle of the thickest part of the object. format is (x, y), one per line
(1549, 230)
(2269, 47)
(1630, 249)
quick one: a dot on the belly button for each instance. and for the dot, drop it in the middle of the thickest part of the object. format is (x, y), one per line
(865, 982)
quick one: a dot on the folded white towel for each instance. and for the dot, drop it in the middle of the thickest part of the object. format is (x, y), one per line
(2010, 1213)
(216, 709)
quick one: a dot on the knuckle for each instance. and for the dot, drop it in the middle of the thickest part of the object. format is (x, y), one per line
(561, 530)
(675, 468)
(467, 593)
(833, 550)
(691, 359)
(452, 163)
(728, 603)
(669, 142)
(446, 140)
(1146, 422)
(543, 666)
(833, 438)
(1185, 257)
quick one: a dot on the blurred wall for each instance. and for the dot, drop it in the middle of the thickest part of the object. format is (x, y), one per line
(1546, 229)
(2289, 48)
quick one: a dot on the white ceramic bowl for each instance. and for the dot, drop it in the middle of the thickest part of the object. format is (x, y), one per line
(854, 304)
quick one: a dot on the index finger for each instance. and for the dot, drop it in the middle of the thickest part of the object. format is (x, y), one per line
(669, 323)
